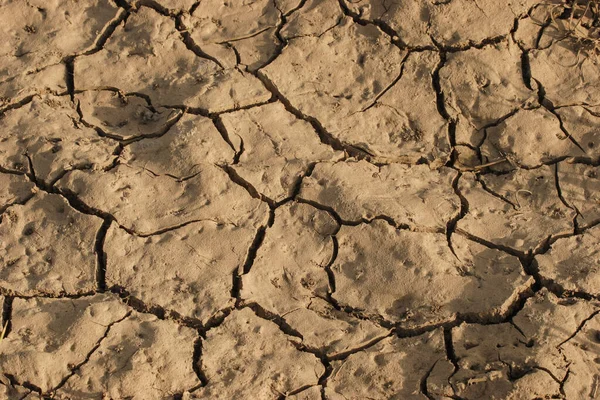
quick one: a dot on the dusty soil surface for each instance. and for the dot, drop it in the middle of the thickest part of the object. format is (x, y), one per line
(300, 199)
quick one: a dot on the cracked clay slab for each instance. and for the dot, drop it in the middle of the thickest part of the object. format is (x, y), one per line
(46, 130)
(276, 148)
(50, 338)
(182, 151)
(288, 278)
(124, 117)
(520, 209)
(414, 278)
(580, 187)
(573, 263)
(38, 34)
(416, 196)
(146, 204)
(47, 247)
(186, 270)
(14, 189)
(392, 369)
(139, 354)
(525, 356)
(146, 50)
(249, 357)
(365, 92)
(456, 23)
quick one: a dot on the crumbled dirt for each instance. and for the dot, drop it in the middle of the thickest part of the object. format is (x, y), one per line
(299, 199)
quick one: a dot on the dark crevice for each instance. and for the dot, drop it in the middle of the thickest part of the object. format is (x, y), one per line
(101, 255)
(330, 273)
(191, 44)
(70, 77)
(580, 327)
(197, 361)
(108, 30)
(156, 310)
(464, 210)
(277, 320)
(218, 123)
(6, 316)
(487, 189)
(256, 243)
(423, 383)
(27, 385)
(239, 180)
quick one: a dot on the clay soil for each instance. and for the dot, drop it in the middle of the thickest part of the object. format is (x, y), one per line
(299, 199)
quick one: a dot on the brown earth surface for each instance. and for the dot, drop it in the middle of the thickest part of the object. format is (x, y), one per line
(298, 199)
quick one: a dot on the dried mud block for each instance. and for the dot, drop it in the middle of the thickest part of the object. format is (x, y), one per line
(583, 350)
(220, 27)
(530, 29)
(18, 88)
(14, 189)
(47, 247)
(288, 278)
(573, 263)
(456, 23)
(183, 150)
(289, 268)
(520, 209)
(313, 19)
(525, 356)
(354, 81)
(529, 138)
(139, 355)
(46, 130)
(580, 187)
(481, 86)
(260, 361)
(187, 270)
(581, 122)
(146, 51)
(51, 338)
(277, 148)
(146, 204)
(568, 75)
(413, 278)
(37, 35)
(392, 369)
(124, 117)
(416, 196)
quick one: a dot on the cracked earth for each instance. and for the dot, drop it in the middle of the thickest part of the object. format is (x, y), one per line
(297, 199)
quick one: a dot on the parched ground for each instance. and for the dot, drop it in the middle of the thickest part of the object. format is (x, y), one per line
(299, 199)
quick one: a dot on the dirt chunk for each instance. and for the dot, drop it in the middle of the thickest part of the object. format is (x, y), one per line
(314, 19)
(414, 278)
(146, 51)
(456, 23)
(363, 91)
(391, 369)
(260, 362)
(145, 203)
(574, 263)
(481, 86)
(47, 247)
(124, 117)
(186, 270)
(289, 278)
(506, 359)
(581, 122)
(219, 27)
(50, 338)
(520, 209)
(182, 151)
(140, 354)
(46, 130)
(580, 187)
(38, 35)
(14, 189)
(312, 393)
(416, 196)
(530, 138)
(276, 148)
(567, 74)
(8, 391)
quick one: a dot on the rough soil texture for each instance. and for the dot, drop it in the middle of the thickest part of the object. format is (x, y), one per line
(298, 199)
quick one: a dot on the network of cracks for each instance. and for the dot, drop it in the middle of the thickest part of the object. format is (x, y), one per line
(300, 199)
